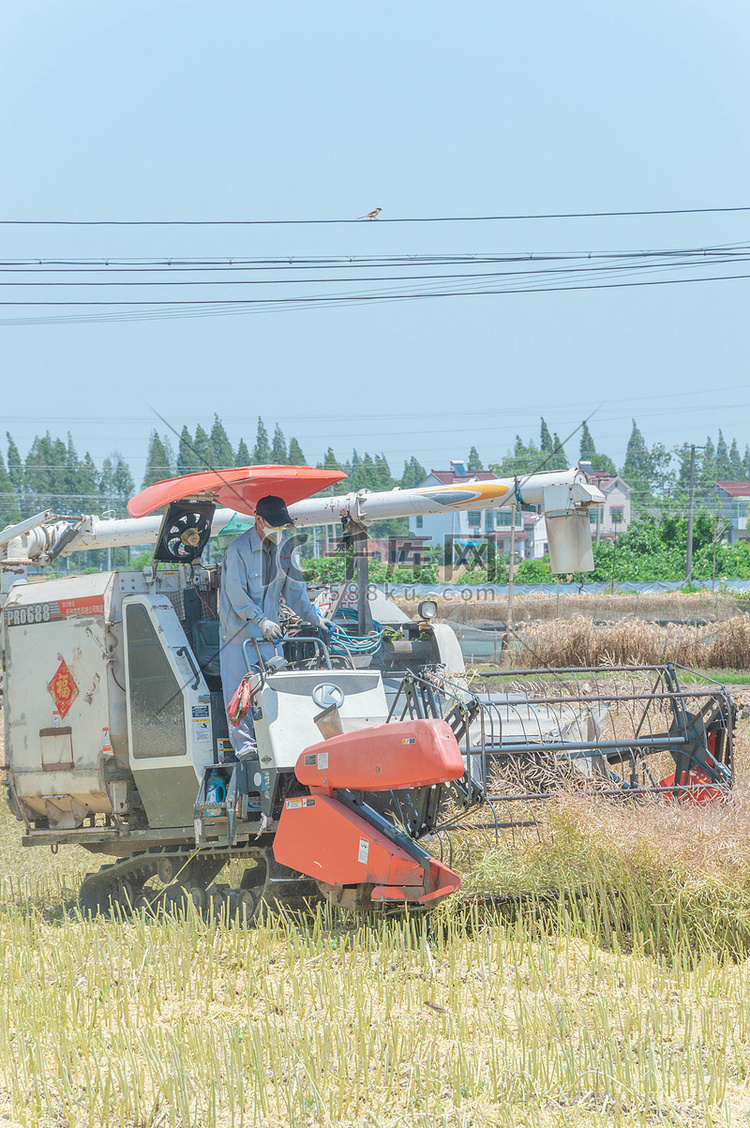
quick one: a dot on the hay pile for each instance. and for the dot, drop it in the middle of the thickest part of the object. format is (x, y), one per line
(578, 642)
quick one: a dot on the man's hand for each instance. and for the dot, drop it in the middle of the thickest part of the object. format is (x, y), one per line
(326, 625)
(271, 631)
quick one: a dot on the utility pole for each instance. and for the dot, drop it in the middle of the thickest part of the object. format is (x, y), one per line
(509, 627)
(691, 493)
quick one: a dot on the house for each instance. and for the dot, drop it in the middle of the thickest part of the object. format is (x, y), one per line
(731, 501)
(611, 519)
(468, 527)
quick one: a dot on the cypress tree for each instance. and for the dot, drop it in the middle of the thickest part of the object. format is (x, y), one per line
(637, 469)
(187, 460)
(589, 453)
(8, 500)
(383, 478)
(261, 450)
(546, 442)
(202, 450)
(223, 455)
(169, 454)
(414, 474)
(723, 467)
(735, 463)
(15, 465)
(88, 480)
(157, 462)
(242, 458)
(296, 457)
(474, 462)
(122, 480)
(559, 460)
(705, 471)
(587, 450)
(278, 448)
(106, 487)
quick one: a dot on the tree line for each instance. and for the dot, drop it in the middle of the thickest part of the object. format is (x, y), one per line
(53, 475)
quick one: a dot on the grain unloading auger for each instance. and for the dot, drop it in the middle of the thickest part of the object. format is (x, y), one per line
(115, 724)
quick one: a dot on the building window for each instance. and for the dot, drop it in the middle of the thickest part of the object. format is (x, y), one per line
(502, 518)
(475, 518)
(488, 520)
(617, 514)
(420, 522)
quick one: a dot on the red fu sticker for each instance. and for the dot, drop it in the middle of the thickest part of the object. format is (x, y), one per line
(62, 688)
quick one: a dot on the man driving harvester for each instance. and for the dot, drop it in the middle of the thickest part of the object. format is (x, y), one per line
(258, 569)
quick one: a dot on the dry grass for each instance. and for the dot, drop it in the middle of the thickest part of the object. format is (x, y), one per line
(701, 606)
(578, 642)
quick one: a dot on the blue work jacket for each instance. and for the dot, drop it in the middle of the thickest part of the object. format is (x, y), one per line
(254, 577)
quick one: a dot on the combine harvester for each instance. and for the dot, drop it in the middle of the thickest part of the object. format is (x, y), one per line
(116, 734)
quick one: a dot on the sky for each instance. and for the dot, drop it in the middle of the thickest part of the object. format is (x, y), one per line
(238, 110)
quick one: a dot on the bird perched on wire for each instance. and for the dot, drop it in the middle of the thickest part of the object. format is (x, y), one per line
(372, 215)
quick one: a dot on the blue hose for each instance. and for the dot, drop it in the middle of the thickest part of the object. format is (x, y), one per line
(343, 643)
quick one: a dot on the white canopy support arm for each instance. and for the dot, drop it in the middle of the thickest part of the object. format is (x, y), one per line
(566, 494)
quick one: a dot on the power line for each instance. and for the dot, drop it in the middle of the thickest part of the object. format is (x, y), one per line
(161, 310)
(379, 220)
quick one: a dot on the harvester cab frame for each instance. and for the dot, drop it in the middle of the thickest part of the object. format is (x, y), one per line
(117, 737)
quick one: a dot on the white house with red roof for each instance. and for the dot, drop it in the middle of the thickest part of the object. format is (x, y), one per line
(731, 500)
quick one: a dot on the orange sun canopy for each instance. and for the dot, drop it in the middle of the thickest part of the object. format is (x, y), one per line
(239, 489)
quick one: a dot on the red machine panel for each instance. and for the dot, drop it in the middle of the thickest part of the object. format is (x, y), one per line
(319, 837)
(404, 754)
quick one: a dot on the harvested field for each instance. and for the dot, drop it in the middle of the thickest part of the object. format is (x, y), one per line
(609, 986)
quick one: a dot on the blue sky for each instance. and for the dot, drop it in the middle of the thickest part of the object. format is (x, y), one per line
(241, 110)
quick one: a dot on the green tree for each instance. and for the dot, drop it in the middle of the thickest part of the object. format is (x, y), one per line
(122, 480)
(474, 462)
(87, 480)
(383, 478)
(707, 475)
(278, 448)
(330, 462)
(15, 465)
(45, 473)
(187, 460)
(242, 458)
(414, 474)
(589, 453)
(9, 511)
(202, 450)
(157, 462)
(261, 450)
(559, 459)
(523, 459)
(116, 483)
(223, 455)
(295, 456)
(638, 468)
(736, 465)
(723, 468)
